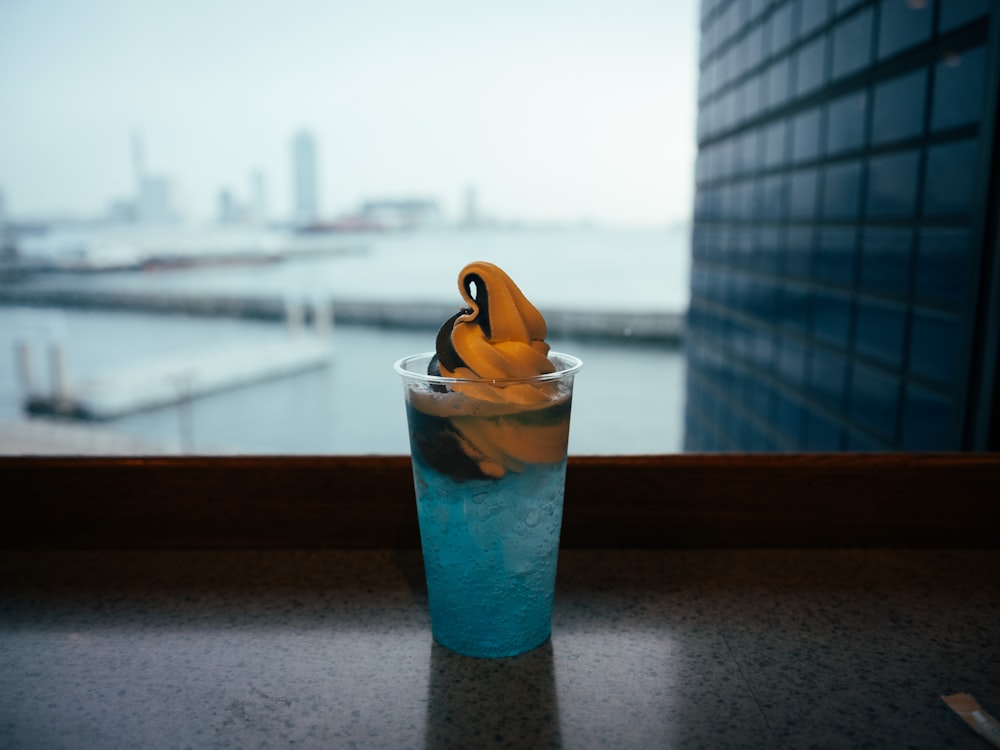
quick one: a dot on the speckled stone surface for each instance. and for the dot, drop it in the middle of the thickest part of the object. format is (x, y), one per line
(650, 649)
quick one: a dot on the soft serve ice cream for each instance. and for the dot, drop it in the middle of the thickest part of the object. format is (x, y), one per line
(500, 334)
(490, 423)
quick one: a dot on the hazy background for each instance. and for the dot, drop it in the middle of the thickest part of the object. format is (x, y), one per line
(552, 110)
(569, 127)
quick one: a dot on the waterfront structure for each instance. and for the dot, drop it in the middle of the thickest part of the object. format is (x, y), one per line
(401, 213)
(138, 165)
(305, 180)
(228, 209)
(231, 210)
(156, 202)
(845, 285)
(153, 201)
(257, 208)
(470, 215)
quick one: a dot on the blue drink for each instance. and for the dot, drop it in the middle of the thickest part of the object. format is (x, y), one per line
(489, 478)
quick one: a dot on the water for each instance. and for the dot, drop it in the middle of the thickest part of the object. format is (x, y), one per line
(587, 269)
(629, 398)
(490, 553)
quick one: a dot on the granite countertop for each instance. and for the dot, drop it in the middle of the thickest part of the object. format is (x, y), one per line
(650, 649)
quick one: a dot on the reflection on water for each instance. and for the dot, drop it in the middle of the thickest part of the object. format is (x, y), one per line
(477, 702)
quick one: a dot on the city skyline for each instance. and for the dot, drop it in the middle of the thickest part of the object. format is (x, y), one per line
(551, 111)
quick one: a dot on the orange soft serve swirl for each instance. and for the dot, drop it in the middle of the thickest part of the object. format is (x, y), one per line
(495, 417)
(499, 335)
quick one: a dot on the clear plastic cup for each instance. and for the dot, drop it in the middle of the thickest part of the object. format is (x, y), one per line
(489, 469)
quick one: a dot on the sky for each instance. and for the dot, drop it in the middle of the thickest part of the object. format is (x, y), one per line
(553, 110)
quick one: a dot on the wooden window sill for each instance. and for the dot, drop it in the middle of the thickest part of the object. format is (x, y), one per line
(711, 500)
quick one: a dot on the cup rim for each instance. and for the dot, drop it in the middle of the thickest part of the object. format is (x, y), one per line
(572, 366)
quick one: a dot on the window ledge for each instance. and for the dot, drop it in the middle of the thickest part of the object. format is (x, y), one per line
(710, 500)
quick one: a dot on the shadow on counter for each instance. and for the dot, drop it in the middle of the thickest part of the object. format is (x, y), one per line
(479, 702)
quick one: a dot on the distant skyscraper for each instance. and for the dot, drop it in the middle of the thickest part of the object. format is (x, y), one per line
(138, 163)
(154, 194)
(258, 197)
(305, 179)
(7, 247)
(471, 212)
(156, 203)
(228, 210)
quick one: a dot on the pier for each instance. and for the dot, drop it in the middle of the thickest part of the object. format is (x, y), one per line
(176, 379)
(657, 327)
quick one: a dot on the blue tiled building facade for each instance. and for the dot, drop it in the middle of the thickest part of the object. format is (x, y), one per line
(844, 282)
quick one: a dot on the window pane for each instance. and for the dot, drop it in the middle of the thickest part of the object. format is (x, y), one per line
(852, 44)
(955, 13)
(224, 162)
(841, 190)
(828, 378)
(927, 420)
(845, 123)
(942, 267)
(835, 259)
(934, 348)
(903, 24)
(816, 197)
(779, 82)
(780, 25)
(802, 194)
(806, 135)
(881, 332)
(950, 183)
(892, 184)
(775, 144)
(885, 261)
(832, 319)
(899, 108)
(874, 400)
(810, 67)
(959, 88)
(812, 15)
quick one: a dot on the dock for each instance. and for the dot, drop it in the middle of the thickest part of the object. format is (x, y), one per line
(176, 379)
(665, 328)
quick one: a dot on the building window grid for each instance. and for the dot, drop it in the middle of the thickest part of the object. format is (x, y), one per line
(722, 73)
(731, 173)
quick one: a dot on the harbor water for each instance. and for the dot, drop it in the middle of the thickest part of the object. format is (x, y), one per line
(629, 398)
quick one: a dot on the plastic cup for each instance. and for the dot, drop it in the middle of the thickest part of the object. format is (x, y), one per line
(489, 470)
